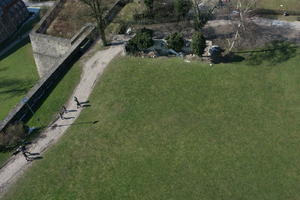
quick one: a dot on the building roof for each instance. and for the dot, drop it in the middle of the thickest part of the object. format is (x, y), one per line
(3, 4)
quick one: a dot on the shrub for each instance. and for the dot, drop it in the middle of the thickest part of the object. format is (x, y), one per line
(142, 40)
(13, 135)
(175, 41)
(198, 43)
(145, 30)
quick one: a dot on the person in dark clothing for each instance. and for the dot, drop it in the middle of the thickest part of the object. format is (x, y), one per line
(22, 148)
(26, 156)
(61, 115)
(77, 102)
(64, 109)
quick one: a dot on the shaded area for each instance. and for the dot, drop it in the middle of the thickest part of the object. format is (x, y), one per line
(275, 53)
(18, 74)
(16, 47)
(14, 87)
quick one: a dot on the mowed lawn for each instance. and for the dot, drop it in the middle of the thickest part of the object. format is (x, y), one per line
(275, 4)
(167, 129)
(18, 74)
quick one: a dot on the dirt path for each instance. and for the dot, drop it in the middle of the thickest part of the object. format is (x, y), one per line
(92, 69)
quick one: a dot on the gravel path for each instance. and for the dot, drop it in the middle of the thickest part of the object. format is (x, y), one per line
(92, 69)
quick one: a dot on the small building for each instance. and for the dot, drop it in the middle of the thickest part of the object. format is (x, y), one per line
(12, 14)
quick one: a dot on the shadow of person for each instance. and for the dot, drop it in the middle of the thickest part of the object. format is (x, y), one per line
(69, 118)
(86, 105)
(32, 158)
(85, 102)
(33, 154)
(71, 111)
(37, 158)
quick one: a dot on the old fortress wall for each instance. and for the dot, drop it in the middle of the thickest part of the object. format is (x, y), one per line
(47, 49)
(53, 57)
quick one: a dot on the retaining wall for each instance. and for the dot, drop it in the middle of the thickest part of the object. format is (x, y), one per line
(43, 88)
(47, 49)
(54, 56)
(113, 12)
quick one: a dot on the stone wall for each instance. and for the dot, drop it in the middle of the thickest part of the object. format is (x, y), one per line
(43, 88)
(54, 56)
(49, 17)
(47, 49)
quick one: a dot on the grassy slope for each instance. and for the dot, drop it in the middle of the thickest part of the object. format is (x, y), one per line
(171, 130)
(58, 97)
(17, 75)
(52, 105)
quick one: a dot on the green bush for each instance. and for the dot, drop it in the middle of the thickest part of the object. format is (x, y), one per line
(175, 41)
(13, 135)
(198, 43)
(142, 40)
(145, 30)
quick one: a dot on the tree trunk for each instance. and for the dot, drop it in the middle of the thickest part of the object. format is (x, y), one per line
(102, 33)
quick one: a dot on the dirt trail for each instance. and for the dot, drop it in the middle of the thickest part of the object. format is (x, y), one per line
(92, 69)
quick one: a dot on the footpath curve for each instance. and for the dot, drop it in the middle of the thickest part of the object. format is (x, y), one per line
(92, 70)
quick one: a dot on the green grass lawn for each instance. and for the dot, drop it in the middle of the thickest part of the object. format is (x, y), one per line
(275, 4)
(17, 75)
(174, 130)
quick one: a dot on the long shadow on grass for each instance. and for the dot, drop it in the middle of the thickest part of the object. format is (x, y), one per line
(14, 92)
(35, 133)
(15, 48)
(274, 53)
(53, 126)
(14, 87)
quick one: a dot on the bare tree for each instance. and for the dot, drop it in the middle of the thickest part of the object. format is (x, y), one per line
(202, 11)
(241, 11)
(98, 11)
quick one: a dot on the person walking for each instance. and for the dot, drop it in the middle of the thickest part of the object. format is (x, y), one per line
(22, 148)
(64, 109)
(77, 102)
(61, 115)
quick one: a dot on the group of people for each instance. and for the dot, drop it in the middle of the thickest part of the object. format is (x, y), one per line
(28, 155)
(64, 109)
(23, 148)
